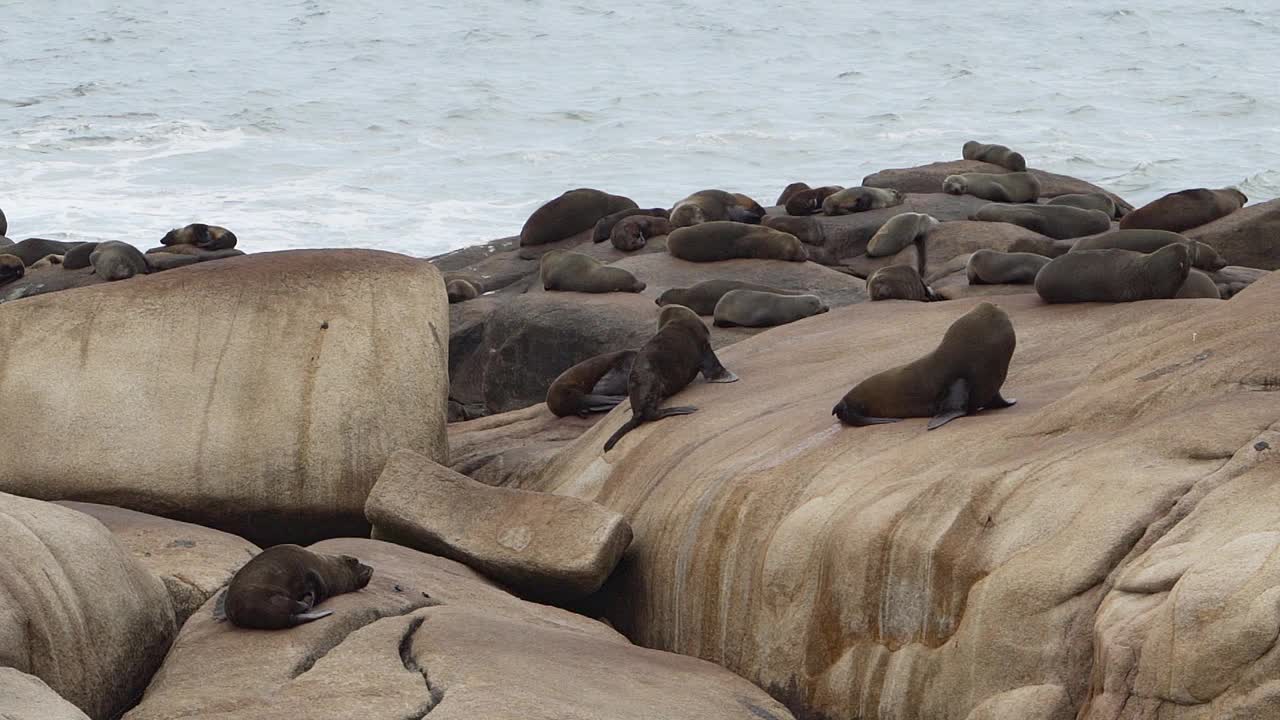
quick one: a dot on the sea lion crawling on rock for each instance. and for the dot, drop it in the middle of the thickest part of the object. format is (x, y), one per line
(594, 385)
(206, 237)
(1014, 187)
(702, 297)
(861, 199)
(666, 364)
(1114, 275)
(575, 272)
(604, 226)
(11, 268)
(809, 202)
(960, 377)
(994, 154)
(633, 233)
(712, 205)
(114, 260)
(280, 587)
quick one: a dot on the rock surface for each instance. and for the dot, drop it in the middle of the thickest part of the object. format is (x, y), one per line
(76, 609)
(497, 449)
(928, 179)
(26, 697)
(39, 281)
(1249, 236)
(545, 547)
(1112, 539)
(260, 395)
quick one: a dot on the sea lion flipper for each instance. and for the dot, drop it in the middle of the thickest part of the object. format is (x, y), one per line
(999, 401)
(954, 405)
(672, 411)
(601, 403)
(306, 617)
(713, 370)
(220, 607)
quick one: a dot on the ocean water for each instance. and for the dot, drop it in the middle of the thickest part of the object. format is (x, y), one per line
(421, 127)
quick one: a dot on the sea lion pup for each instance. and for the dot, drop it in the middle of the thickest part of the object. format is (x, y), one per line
(634, 232)
(1014, 187)
(712, 205)
(1198, 285)
(78, 256)
(899, 282)
(1087, 201)
(207, 237)
(790, 190)
(1060, 222)
(604, 226)
(11, 268)
(900, 231)
(960, 377)
(992, 267)
(569, 214)
(115, 260)
(574, 272)
(1203, 256)
(1114, 275)
(665, 364)
(994, 154)
(594, 385)
(723, 240)
(861, 199)
(752, 308)
(278, 588)
(702, 298)
(460, 290)
(809, 202)
(1185, 209)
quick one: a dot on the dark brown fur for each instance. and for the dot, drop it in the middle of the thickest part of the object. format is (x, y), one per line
(712, 241)
(790, 190)
(604, 226)
(574, 211)
(899, 282)
(634, 232)
(594, 385)
(117, 261)
(207, 237)
(575, 272)
(279, 587)
(809, 202)
(1087, 201)
(702, 298)
(1060, 222)
(11, 268)
(1203, 256)
(78, 256)
(1114, 275)
(712, 205)
(992, 267)
(1184, 210)
(994, 154)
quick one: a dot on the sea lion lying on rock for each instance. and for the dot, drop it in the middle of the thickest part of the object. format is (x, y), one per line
(712, 205)
(47, 261)
(11, 268)
(1203, 256)
(574, 211)
(809, 202)
(752, 308)
(115, 260)
(32, 249)
(632, 233)
(460, 290)
(280, 586)
(721, 240)
(594, 385)
(1114, 275)
(789, 191)
(1060, 222)
(1014, 187)
(994, 154)
(960, 377)
(604, 226)
(195, 251)
(1087, 201)
(702, 298)
(205, 237)
(899, 282)
(1198, 285)
(575, 272)
(861, 199)
(992, 267)
(1185, 209)
(78, 256)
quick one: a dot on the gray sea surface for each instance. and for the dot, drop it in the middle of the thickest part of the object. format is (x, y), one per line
(421, 127)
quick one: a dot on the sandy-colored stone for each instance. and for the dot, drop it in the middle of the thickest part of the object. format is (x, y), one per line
(260, 395)
(76, 609)
(192, 561)
(928, 178)
(1249, 236)
(26, 697)
(890, 572)
(495, 449)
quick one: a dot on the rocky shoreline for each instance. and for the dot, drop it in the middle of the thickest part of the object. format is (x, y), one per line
(1103, 549)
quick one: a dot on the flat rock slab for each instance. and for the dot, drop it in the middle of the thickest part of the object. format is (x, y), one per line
(26, 697)
(545, 547)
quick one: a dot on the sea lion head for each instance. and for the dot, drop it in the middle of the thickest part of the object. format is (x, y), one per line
(681, 315)
(687, 215)
(747, 210)
(969, 148)
(954, 185)
(1206, 257)
(1244, 199)
(359, 572)
(672, 296)
(11, 268)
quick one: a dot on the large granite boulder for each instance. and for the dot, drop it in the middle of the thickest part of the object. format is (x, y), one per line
(260, 395)
(1112, 538)
(26, 697)
(76, 609)
(550, 548)
(928, 179)
(469, 651)
(498, 449)
(1249, 236)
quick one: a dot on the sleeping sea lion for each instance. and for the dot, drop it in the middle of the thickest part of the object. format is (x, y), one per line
(1087, 201)
(604, 226)
(195, 251)
(114, 260)
(575, 272)
(78, 256)
(992, 267)
(790, 190)
(900, 231)
(206, 237)
(1014, 187)
(11, 268)
(459, 290)
(899, 282)
(280, 586)
(633, 233)
(712, 205)
(861, 199)
(994, 154)
(574, 211)
(722, 240)
(666, 364)
(47, 261)
(1203, 256)
(32, 249)
(809, 202)
(752, 308)
(159, 262)
(1060, 222)
(1114, 275)
(594, 385)
(702, 298)
(1198, 285)
(1185, 209)
(960, 377)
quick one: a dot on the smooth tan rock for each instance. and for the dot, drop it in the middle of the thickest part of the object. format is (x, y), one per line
(1249, 236)
(26, 697)
(260, 395)
(890, 572)
(547, 547)
(495, 449)
(928, 179)
(76, 609)
(192, 561)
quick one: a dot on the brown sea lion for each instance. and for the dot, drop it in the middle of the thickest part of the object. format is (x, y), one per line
(604, 226)
(702, 298)
(752, 308)
(280, 586)
(1114, 275)
(574, 211)
(633, 233)
(790, 190)
(960, 377)
(712, 205)
(1041, 245)
(575, 272)
(459, 290)
(159, 262)
(721, 240)
(994, 154)
(809, 202)
(1087, 201)
(1014, 187)
(207, 237)
(1203, 256)
(1198, 285)
(115, 260)
(1185, 209)
(900, 231)
(78, 256)
(31, 250)
(47, 261)
(992, 267)
(11, 268)
(861, 199)
(1060, 222)
(594, 385)
(196, 251)
(666, 364)
(899, 282)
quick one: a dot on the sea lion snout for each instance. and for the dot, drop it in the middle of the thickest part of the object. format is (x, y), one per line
(363, 573)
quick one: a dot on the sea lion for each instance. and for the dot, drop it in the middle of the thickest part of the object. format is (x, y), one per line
(1185, 209)
(1041, 245)
(1060, 222)
(702, 298)
(666, 364)
(960, 377)
(1087, 201)
(574, 211)
(4, 224)
(115, 260)
(861, 199)
(633, 233)
(1198, 285)
(721, 240)
(47, 261)
(207, 237)
(280, 586)
(790, 190)
(809, 202)
(32, 249)
(900, 231)
(1114, 275)
(199, 252)
(604, 226)
(594, 385)
(899, 282)
(11, 268)
(1014, 187)
(992, 267)
(78, 256)
(159, 262)
(460, 290)
(994, 154)
(752, 308)
(575, 272)
(712, 205)
(1203, 256)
